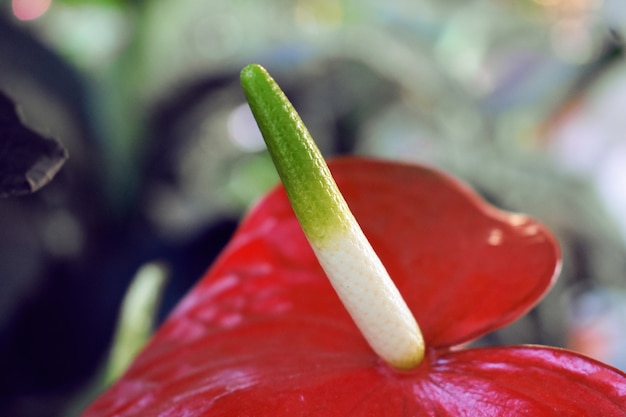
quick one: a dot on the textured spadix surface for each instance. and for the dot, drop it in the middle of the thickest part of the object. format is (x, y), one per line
(343, 251)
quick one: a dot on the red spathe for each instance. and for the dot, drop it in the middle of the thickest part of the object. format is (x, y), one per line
(264, 334)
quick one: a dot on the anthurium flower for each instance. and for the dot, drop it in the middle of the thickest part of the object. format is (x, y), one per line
(265, 334)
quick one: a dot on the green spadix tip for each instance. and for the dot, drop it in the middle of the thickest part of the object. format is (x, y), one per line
(300, 165)
(352, 266)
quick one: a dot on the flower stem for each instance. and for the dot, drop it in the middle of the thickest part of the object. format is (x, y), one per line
(352, 266)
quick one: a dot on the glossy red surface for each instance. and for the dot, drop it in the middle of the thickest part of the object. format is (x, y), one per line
(263, 333)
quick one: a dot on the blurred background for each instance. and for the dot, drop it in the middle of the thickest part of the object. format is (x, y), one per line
(522, 99)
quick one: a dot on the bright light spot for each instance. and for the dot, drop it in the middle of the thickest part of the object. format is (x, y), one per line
(30, 9)
(546, 2)
(319, 14)
(530, 230)
(243, 130)
(571, 5)
(517, 219)
(495, 237)
(462, 51)
(611, 179)
(91, 33)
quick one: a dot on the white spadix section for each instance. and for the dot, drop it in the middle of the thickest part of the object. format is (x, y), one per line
(371, 297)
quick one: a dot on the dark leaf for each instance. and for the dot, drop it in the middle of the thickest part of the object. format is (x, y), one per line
(28, 161)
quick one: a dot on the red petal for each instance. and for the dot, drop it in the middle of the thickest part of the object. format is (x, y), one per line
(463, 267)
(522, 381)
(269, 370)
(264, 322)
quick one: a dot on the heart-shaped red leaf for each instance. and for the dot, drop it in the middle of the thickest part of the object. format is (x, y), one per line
(264, 334)
(521, 381)
(463, 267)
(308, 368)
